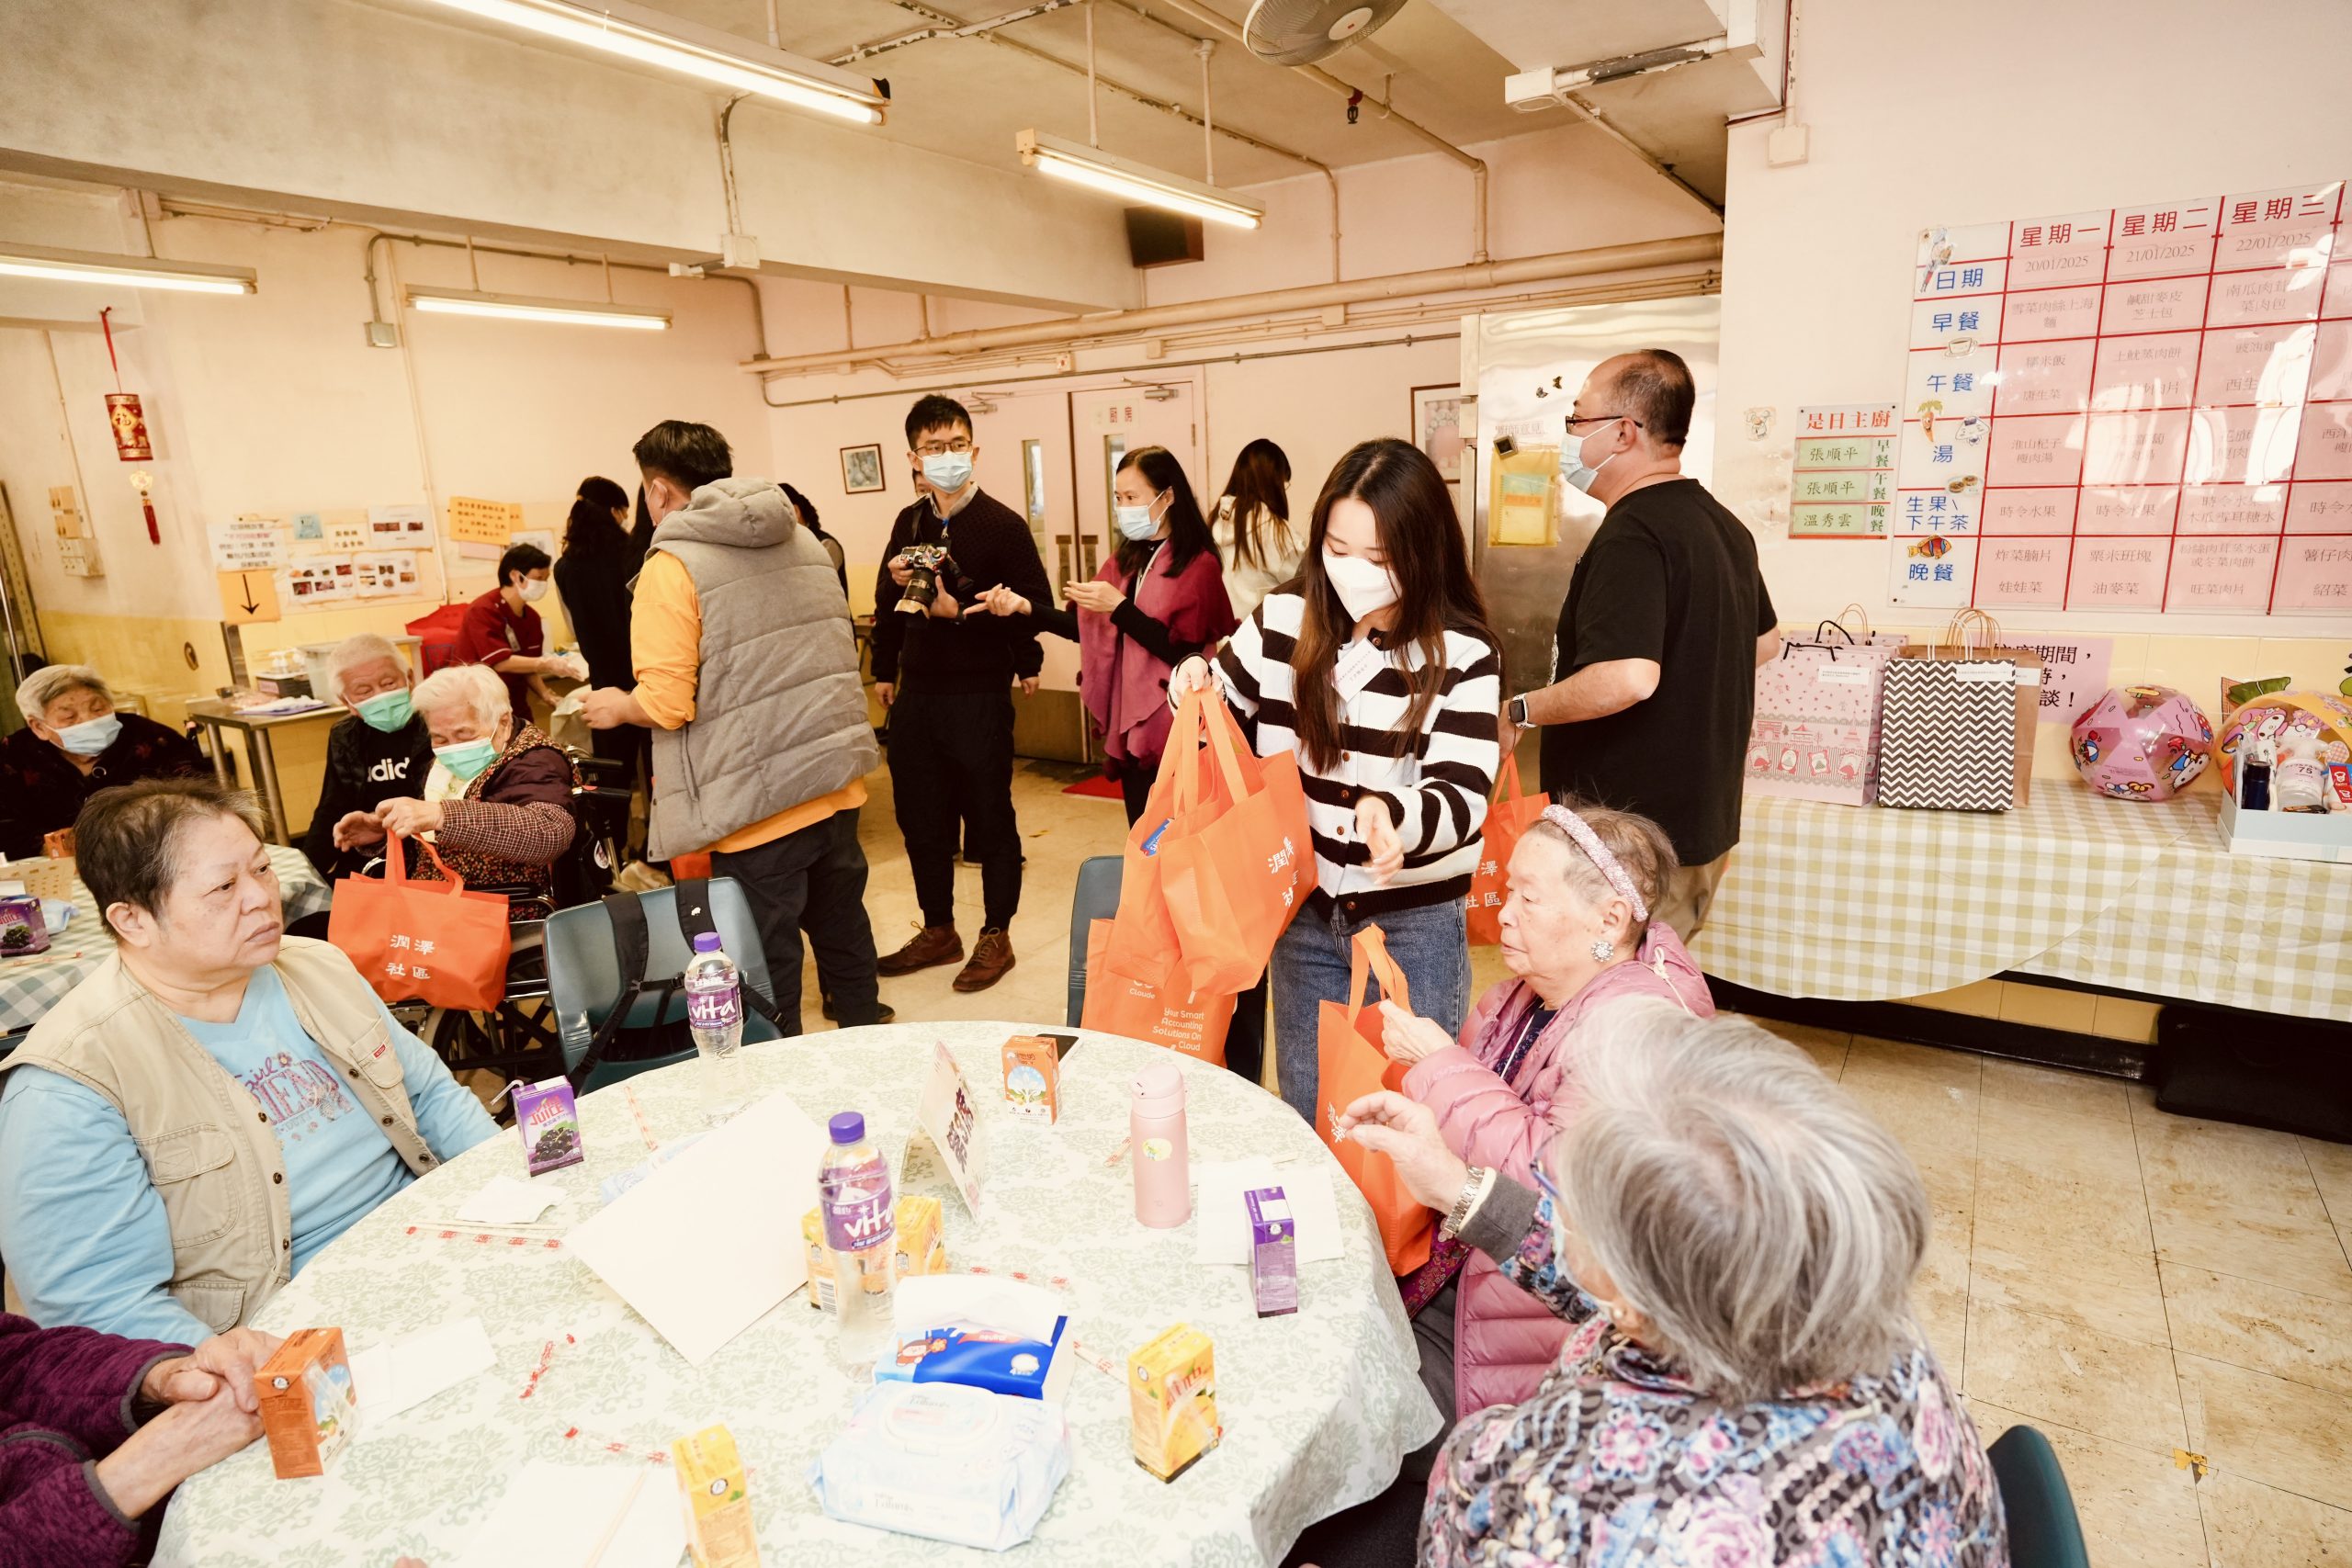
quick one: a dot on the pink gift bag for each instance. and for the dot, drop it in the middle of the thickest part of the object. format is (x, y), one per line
(1815, 731)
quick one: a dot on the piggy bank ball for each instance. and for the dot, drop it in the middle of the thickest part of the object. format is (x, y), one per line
(2141, 743)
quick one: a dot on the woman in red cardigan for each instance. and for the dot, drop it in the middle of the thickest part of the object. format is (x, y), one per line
(96, 1430)
(1157, 601)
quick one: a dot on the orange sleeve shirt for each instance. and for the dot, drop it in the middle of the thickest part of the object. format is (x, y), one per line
(666, 647)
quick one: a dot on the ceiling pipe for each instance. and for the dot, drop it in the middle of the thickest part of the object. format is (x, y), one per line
(1698, 248)
(966, 30)
(1324, 79)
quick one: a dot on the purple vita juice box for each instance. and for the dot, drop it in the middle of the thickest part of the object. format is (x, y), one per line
(1273, 1252)
(549, 1122)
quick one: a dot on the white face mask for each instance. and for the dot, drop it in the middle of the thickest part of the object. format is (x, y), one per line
(1574, 469)
(1364, 588)
(1136, 522)
(533, 589)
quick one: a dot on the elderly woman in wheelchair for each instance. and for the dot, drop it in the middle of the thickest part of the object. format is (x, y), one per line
(497, 804)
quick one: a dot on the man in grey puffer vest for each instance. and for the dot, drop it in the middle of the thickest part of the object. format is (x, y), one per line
(747, 676)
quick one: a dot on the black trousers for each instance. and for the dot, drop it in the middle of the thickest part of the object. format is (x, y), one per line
(951, 766)
(815, 876)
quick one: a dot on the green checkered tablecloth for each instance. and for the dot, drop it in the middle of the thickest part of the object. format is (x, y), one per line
(30, 986)
(1862, 904)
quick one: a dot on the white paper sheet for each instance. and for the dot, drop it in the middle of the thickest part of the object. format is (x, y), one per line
(1221, 1221)
(709, 1241)
(508, 1201)
(404, 1373)
(555, 1515)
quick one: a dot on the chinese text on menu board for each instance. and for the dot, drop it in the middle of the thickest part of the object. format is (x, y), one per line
(2145, 407)
(1841, 482)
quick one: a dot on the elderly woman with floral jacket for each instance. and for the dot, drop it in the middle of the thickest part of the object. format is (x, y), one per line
(95, 1431)
(1732, 1242)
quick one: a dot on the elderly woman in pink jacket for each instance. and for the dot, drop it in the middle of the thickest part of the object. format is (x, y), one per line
(1576, 932)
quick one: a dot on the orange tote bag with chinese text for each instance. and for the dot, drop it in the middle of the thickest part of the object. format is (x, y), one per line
(428, 942)
(1352, 1065)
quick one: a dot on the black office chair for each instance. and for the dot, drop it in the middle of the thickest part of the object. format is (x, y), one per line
(1095, 899)
(2043, 1529)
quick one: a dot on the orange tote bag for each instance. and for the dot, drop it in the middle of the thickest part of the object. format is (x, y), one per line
(428, 942)
(1508, 816)
(1351, 1064)
(1233, 879)
(1142, 1009)
(1186, 794)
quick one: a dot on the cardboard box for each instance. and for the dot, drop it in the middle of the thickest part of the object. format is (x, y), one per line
(713, 1489)
(1273, 1252)
(923, 1246)
(308, 1406)
(549, 1120)
(1033, 1078)
(1171, 1394)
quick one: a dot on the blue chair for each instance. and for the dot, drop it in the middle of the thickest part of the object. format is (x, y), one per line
(584, 977)
(1096, 898)
(2043, 1529)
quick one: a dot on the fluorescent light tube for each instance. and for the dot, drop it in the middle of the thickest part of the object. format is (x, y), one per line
(523, 308)
(671, 43)
(1098, 169)
(129, 271)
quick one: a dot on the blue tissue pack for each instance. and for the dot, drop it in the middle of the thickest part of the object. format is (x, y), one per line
(979, 1358)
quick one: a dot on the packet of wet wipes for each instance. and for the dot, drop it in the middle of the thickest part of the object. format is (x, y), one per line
(945, 1461)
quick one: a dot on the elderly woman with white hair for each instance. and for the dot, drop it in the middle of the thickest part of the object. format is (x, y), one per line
(378, 752)
(75, 744)
(1732, 1241)
(497, 803)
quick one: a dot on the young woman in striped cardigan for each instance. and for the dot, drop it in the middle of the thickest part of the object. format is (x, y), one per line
(1378, 669)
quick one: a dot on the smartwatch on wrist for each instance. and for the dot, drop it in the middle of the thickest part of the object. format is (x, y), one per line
(1517, 708)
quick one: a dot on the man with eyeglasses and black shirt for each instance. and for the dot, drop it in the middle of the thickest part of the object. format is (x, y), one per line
(946, 677)
(1666, 617)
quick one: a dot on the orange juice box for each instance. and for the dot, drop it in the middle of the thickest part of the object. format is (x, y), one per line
(712, 1490)
(308, 1406)
(1171, 1392)
(923, 1247)
(1033, 1078)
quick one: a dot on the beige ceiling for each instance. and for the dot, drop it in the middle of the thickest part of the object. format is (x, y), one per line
(967, 98)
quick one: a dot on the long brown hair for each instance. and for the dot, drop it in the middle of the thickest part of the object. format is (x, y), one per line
(1259, 487)
(1435, 592)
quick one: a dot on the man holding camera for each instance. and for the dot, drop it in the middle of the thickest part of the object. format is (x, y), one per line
(947, 678)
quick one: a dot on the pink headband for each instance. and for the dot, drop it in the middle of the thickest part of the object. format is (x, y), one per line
(1588, 840)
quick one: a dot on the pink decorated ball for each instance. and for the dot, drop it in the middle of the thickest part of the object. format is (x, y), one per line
(2141, 743)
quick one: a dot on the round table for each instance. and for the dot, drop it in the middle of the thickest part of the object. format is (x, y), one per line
(1317, 1407)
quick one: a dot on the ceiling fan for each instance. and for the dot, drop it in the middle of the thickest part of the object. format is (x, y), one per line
(1300, 33)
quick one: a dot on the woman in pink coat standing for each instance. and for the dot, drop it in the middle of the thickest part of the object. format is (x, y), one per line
(1577, 934)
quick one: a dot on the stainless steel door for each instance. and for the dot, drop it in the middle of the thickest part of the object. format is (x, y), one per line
(19, 632)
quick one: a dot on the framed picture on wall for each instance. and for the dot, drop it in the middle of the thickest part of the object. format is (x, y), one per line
(1436, 427)
(862, 469)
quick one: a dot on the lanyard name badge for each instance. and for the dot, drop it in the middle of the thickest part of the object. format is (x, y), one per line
(1352, 670)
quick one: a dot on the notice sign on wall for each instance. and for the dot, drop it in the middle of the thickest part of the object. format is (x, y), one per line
(2074, 671)
(247, 544)
(2137, 408)
(1841, 485)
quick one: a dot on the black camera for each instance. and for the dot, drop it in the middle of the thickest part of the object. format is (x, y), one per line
(924, 563)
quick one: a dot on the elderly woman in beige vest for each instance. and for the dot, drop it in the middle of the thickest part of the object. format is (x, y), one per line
(215, 1103)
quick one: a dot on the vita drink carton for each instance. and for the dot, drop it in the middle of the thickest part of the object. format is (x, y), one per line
(712, 1490)
(1171, 1392)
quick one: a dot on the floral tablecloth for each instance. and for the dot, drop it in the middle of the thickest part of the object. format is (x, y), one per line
(1317, 1408)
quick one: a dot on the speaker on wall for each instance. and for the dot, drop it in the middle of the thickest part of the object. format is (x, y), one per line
(1159, 238)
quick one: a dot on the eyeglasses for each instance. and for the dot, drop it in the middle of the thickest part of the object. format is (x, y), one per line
(941, 448)
(1577, 418)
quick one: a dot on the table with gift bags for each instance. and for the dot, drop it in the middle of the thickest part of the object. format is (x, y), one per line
(1894, 844)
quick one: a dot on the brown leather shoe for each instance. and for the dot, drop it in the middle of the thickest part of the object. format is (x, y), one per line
(991, 956)
(932, 945)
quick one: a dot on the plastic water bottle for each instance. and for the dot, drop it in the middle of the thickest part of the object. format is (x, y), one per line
(862, 1233)
(715, 1014)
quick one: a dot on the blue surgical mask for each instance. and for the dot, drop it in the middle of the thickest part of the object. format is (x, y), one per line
(947, 472)
(1573, 468)
(91, 737)
(464, 758)
(1136, 522)
(388, 710)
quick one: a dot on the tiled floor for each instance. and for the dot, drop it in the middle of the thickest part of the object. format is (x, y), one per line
(2167, 1299)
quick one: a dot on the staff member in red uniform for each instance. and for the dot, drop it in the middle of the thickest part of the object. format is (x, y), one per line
(502, 631)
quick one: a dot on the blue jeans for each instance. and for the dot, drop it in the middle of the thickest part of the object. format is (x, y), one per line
(1430, 944)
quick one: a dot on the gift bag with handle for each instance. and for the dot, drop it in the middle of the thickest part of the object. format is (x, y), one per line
(1949, 722)
(1116, 1003)
(1235, 862)
(1186, 794)
(1351, 1064)
(1507, 817)
(1816, 732)
(429, 942)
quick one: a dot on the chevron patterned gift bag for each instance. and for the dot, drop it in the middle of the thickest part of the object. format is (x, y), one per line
(1947, 734)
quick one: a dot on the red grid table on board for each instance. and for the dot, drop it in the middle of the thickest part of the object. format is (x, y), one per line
(2143, 408)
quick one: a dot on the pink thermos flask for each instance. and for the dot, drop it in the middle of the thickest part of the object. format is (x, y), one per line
(1156, 1147)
